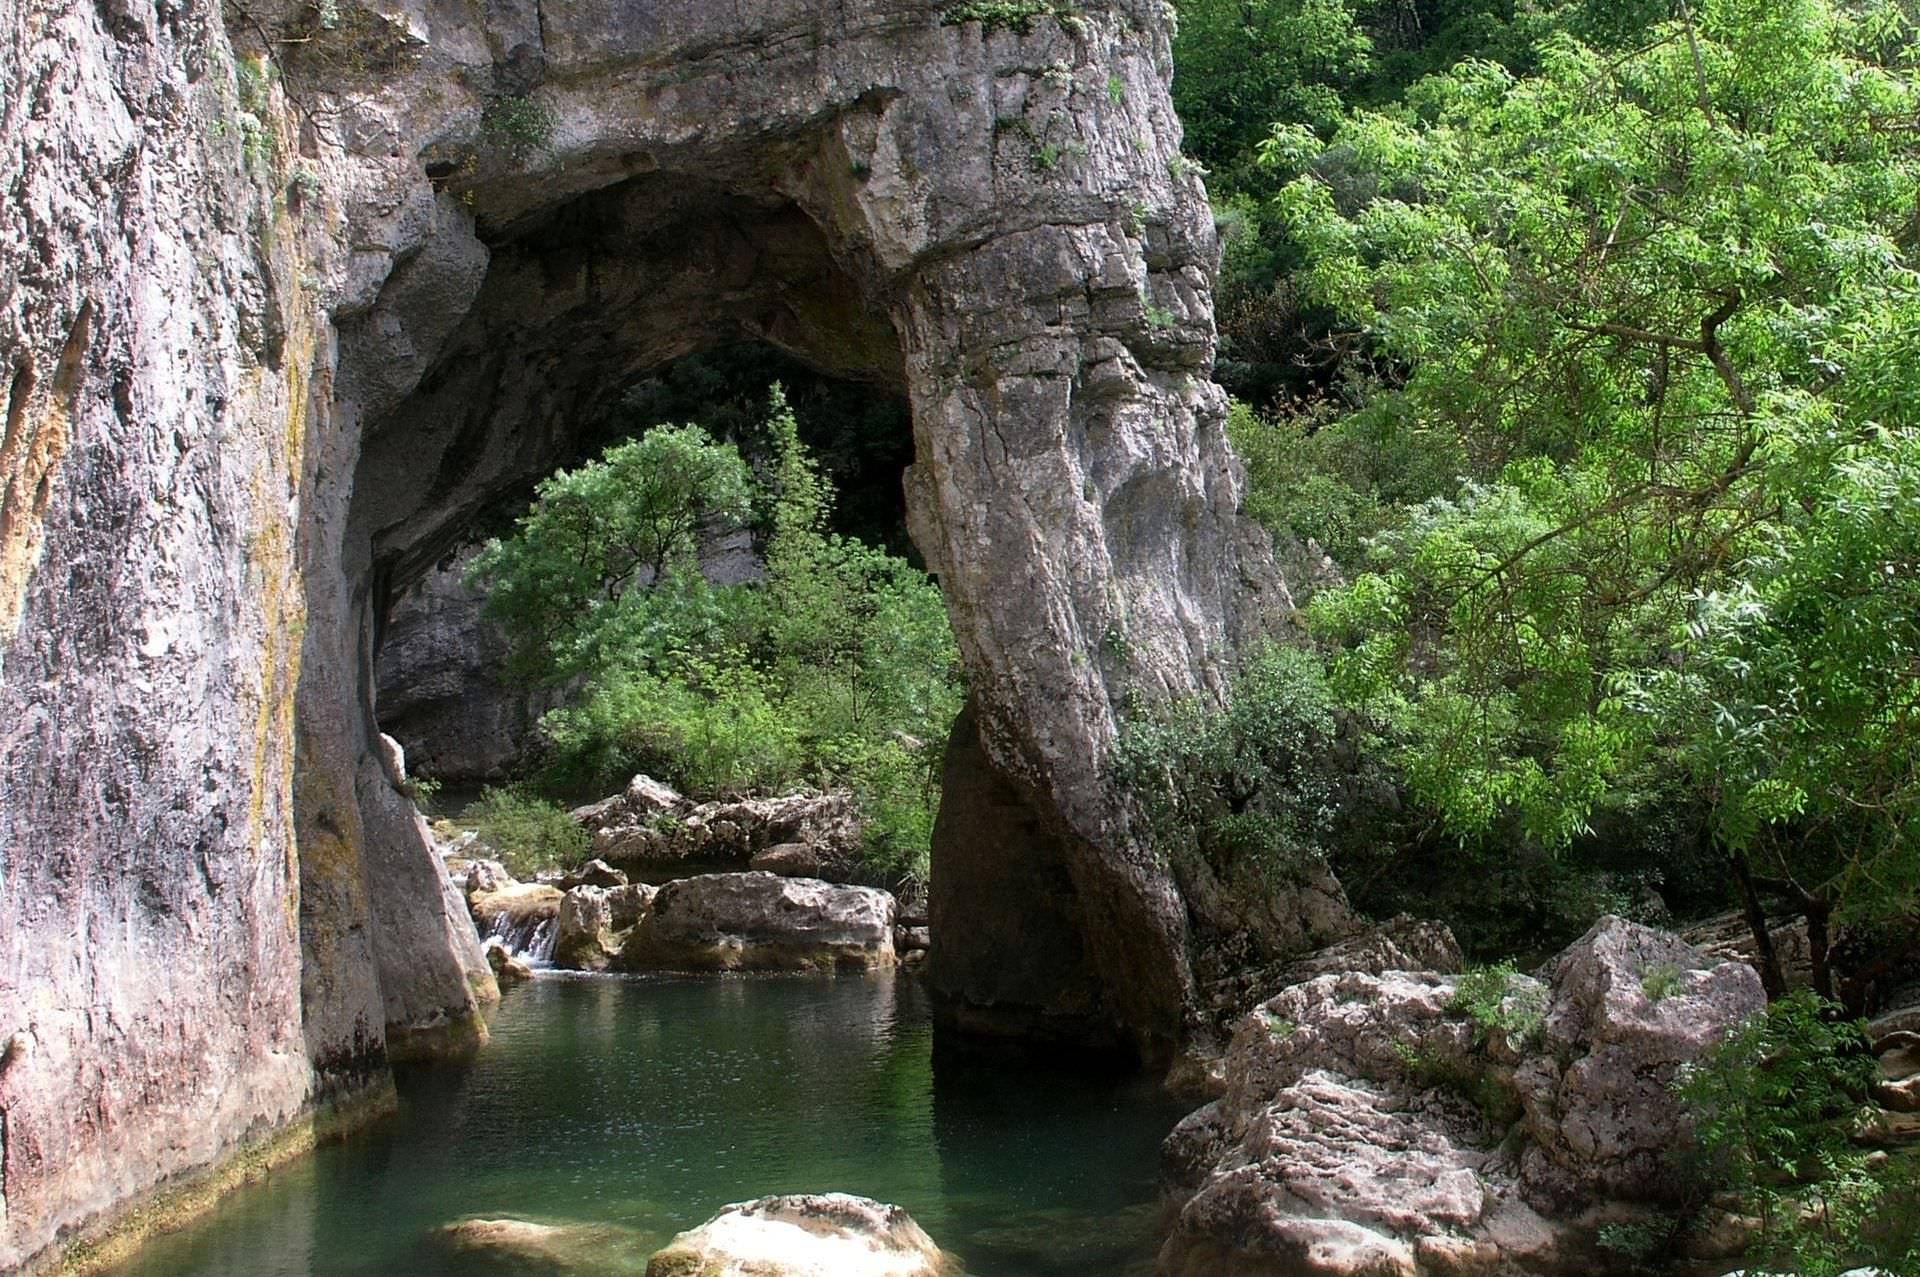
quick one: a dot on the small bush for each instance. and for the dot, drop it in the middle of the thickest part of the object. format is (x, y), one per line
(1017, 16)
(520, 125)
(1487, 996)
(1661, 981)
(528, 834)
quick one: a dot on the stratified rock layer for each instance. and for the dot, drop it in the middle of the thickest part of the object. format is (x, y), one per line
(289, 301)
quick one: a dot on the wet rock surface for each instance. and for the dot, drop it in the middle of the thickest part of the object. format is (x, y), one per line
(1370, 1126)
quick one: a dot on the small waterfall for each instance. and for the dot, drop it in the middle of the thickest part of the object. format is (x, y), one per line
(527, 936)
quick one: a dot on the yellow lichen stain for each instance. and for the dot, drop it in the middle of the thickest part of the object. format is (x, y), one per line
(273, 581)
(37, 429)
(108, 1243)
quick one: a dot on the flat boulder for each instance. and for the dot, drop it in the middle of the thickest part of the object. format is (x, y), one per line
(514, 913)
(761, 921)
(815, 1235)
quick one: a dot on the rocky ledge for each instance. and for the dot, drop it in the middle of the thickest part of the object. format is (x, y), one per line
(650, 830)
(749, 921)
(1391, 1123)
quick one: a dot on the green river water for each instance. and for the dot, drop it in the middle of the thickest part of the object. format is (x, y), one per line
(647, 1104)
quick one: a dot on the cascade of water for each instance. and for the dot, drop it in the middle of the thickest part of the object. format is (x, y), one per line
(529, 938)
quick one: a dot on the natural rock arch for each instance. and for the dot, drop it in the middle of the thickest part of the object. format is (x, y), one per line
(257, 390)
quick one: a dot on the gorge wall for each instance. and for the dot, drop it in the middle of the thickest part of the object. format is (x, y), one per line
(292, 290)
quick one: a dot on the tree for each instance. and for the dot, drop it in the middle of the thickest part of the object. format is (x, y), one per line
(1663, 306)
(597, 536)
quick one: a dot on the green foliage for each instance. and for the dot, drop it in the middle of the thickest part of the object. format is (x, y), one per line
(1638, 1243)
(1661, 307)
(1661, 981)
(1498, 1007)
(1775, 1107)
(837, 668)
(1239, 782)
(528, 834)
(577, 569)
(1466, 1078)
(1006, 15)
(521, 125)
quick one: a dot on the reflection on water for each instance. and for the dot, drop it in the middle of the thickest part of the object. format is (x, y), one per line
(648, 1104)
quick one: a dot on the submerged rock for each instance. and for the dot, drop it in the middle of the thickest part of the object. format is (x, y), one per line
(759, 921)
(518, 1245)
(1369, 1126)
(823, 1235)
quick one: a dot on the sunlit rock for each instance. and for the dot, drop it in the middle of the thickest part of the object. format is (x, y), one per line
(825, 1235)
(759, 921)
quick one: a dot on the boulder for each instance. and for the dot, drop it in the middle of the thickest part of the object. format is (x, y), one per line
(486, 876)
(652, 829)
(789, 860)
(583, 930)
(911, 939)
(759, 921)
(595, 873)
(824, 1235)
(627, 903)
(507, 969)
(1369, 1126)
(1630, 1006)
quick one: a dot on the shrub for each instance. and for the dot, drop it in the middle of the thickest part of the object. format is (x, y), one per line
(1775, 1109)
(1487, 996)
(1240, 782)
(527, 833)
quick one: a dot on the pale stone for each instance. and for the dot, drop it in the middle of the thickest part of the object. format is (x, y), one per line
(826, 1235)
(758, 921)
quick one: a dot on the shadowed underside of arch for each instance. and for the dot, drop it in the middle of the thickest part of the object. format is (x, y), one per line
(307, 365)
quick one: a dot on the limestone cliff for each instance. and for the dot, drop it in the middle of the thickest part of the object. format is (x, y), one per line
(292, 290)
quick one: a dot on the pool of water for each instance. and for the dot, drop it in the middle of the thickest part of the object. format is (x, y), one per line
(644, 1105)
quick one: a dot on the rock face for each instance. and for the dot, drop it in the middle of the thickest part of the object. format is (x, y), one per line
(290, 303)
(824, 1235)
(1370, 1127)
(749, 921)
(440, 682)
